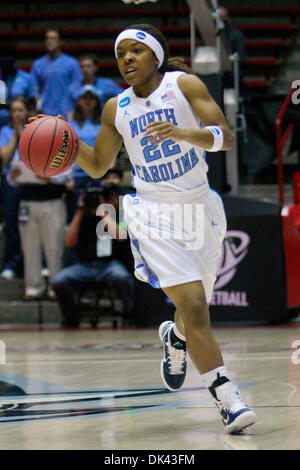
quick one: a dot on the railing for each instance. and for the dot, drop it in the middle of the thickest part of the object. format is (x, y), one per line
(281, 141)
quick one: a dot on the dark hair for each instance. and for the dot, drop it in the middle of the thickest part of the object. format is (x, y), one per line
(79, 117)
(22, 100)
(170, 64)
(57, 30)
(117, 171)
(91, 57)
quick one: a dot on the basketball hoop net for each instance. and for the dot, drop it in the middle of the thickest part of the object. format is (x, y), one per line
(136, 2)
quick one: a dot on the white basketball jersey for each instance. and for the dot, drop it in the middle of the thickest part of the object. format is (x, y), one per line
(170, 165)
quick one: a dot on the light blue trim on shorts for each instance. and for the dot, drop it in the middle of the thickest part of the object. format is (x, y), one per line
(152, 277)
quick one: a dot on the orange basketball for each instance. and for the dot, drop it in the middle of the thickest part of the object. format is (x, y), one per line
(48, 146)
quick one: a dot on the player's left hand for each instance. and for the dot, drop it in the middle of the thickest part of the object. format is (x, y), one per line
(162, 130)
(38, 116)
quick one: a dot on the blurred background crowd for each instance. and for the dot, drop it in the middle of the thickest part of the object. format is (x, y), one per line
(49, 242)
(50, 223)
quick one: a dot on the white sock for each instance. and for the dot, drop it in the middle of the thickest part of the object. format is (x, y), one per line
(178, 334)
(210, 376)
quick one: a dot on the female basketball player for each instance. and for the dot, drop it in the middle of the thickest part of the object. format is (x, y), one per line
(167, 119)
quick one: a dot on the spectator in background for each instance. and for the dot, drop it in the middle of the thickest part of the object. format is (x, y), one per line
(106, 88)
(9, 140)
(52, 73)
(86, 123)
(113, 176)
(41, 221)
(236, 43)
(98, 259)
(116, 176)
(18, 82)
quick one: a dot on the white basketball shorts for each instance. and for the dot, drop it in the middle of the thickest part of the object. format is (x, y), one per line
(176, 237)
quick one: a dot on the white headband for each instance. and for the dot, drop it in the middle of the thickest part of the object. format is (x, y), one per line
(144, 38)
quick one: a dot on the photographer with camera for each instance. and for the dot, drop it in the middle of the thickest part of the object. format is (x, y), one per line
(99, 259)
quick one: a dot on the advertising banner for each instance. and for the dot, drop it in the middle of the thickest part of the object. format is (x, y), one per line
(250, 283)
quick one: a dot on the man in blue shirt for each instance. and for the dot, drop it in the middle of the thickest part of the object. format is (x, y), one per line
(106, 88)
(52, 73)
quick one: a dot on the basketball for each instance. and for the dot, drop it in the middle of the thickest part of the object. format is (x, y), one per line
(48, 146)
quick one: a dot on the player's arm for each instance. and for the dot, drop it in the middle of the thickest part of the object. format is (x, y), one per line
(196, 93)
(96, 161)
(72, 232)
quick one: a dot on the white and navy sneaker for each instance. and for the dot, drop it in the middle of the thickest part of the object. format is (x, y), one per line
(236, 416)
(173, 365)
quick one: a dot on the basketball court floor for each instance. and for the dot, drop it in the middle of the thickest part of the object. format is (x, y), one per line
(100, 389)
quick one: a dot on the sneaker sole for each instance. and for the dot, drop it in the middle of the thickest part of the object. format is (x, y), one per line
(241, 422)
(162, 362)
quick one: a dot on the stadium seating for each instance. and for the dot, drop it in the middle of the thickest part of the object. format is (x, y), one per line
(269, 31)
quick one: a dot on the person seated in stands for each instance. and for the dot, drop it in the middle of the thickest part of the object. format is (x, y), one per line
(113, 176)
(106, 88)
(18, 82)
(100, 260)
(52, 73)
(10, 195)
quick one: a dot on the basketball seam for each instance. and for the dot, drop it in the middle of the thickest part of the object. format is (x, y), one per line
(28, 150)
(52, 143)
(67, 161)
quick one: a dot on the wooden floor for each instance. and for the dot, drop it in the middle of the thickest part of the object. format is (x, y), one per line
(101, 389)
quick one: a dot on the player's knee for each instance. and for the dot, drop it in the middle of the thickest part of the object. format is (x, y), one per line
(195, 314)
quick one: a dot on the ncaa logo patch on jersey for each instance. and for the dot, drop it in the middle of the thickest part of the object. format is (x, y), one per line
(124, 102)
